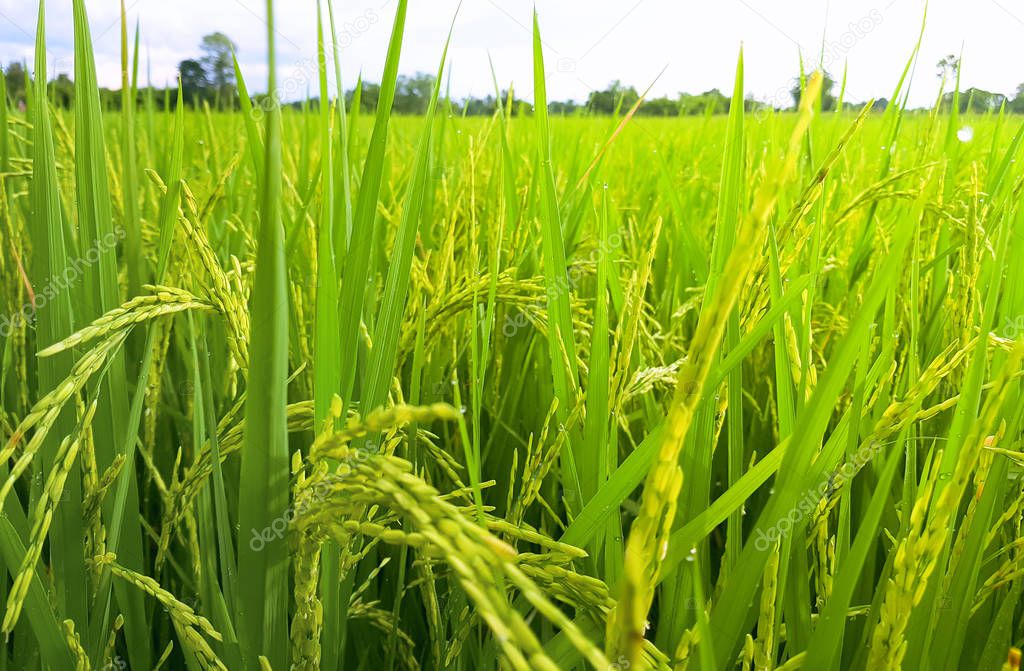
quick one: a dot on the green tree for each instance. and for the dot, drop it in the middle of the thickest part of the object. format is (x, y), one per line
(218, 63)
(663, 106)
(16, 80)
(828, 98)
(195, 85)
(948, 68)
(368, 97)
(1017, 104)
(975, 100)
(562, 107)
(62, 91)
(616, 97)
(413, 93)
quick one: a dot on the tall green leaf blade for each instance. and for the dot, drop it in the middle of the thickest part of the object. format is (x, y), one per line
(54, 321)
(327, 364)
(125, 500)
(263, 490)
(129, 168)
(102, 294)
(357, 260)
(561, 336)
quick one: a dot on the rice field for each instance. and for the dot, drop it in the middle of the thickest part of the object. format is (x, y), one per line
(309, 388)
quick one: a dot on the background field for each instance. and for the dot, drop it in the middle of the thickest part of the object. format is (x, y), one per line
(310, 389)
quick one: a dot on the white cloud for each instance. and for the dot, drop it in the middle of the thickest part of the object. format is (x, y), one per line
(587, 42)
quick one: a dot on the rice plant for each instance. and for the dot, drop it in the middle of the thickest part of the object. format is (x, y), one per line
(292, 388)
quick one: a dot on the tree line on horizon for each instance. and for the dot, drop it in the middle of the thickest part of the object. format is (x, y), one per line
(209, 80)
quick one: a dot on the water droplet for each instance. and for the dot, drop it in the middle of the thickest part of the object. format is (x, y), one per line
(965, 134)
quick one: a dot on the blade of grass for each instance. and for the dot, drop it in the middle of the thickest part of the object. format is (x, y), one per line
(265, 468)
(561, 337)
(649, 535)
(327, 362)
(357, 260)
(628, 476)
(124, 502)
(796, 474)
(696, 461)
(597, 426)
(342, 229)
(129, 167)
(95, 229)
(54, 321)
(826, 642)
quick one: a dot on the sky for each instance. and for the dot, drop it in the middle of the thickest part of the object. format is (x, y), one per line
(587, 43)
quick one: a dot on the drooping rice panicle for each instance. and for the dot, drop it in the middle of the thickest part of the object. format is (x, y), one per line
(42, 517)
